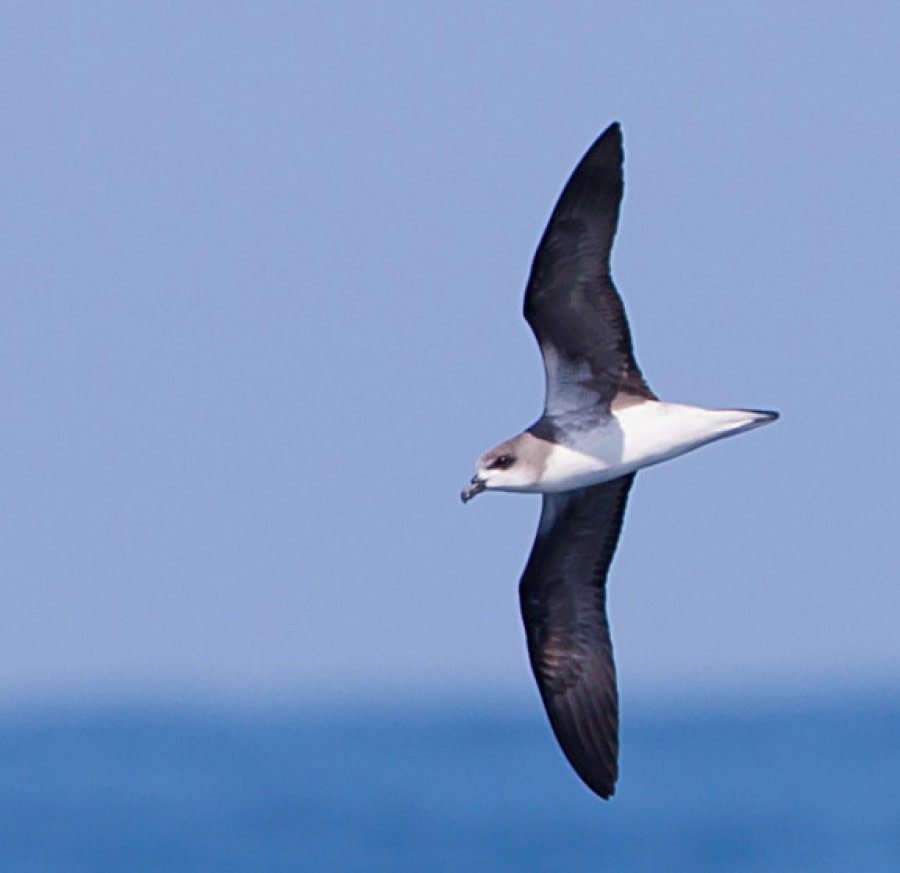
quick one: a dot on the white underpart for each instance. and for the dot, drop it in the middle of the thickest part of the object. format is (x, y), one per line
(639, 436)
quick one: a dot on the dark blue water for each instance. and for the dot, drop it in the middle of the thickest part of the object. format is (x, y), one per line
(751, 788)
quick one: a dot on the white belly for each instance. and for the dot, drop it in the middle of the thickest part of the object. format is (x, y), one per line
(639, 436)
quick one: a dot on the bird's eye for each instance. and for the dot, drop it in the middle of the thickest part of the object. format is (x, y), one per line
(501, 462)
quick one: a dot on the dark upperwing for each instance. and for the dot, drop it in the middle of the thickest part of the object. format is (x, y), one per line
(563, 599)
(571, 303)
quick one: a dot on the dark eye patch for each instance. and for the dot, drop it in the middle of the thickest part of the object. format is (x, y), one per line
(501, 462)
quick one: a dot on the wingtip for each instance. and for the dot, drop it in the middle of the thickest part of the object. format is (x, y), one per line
(606, 155)
(603, 785)
(604, 793)
(613, 131)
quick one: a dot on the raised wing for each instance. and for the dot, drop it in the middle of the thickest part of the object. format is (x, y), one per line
(571, 302)
(563, 600)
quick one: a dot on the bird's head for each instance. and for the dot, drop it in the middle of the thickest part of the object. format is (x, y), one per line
(511, 466)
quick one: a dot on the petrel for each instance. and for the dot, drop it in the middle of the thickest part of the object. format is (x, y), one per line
(601, 423)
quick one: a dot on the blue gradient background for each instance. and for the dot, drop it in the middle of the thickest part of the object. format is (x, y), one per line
(261, 278)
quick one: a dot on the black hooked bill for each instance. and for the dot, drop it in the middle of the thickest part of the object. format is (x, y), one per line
(476, 486)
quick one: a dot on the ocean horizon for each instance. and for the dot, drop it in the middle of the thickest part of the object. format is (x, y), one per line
(742, 785)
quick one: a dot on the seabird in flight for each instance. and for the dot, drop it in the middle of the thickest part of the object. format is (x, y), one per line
(601, 423)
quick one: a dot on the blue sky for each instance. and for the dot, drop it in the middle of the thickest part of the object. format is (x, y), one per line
(262, 269)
